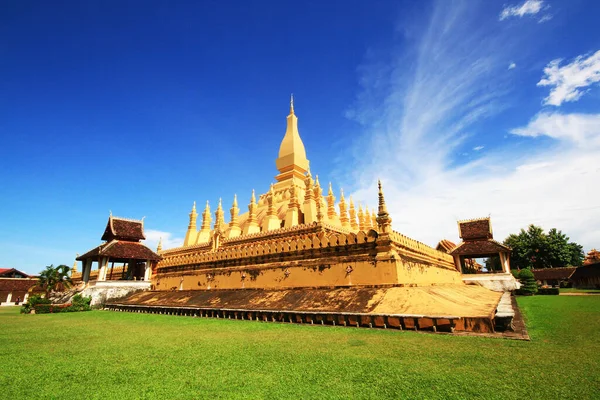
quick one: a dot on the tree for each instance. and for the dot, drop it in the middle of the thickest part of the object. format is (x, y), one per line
(535, 249)
(55, 278)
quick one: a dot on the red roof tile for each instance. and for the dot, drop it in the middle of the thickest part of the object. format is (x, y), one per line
(475, 229)
(553, 273)
(121, 250)
(479, 248)
(123, 229)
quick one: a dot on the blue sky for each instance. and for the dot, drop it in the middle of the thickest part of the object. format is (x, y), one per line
(463, 109)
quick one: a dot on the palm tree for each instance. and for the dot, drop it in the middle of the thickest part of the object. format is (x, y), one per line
(55, 278)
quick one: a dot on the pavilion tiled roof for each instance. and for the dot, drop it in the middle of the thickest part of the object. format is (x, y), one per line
(480, 248)
(587, 271)
(553, 273)
(17, 284)
(473, 229)
(445, 245)
(123, 229)
(6, 272)
(121, 250)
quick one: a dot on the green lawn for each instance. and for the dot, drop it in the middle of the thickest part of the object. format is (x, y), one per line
(110, 355)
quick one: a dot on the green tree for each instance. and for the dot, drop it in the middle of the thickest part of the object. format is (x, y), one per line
(55, 278)
(532, 248)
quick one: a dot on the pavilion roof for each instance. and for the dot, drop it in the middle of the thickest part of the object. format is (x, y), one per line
(473, 229)
(124, 229)
(480, 248)
(445, 246)
(586, 271)
(6, 272)
(17, 284)
(553, 273)
(121, 250)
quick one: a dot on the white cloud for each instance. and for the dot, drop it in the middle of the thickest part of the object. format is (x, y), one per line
(512, 65)
(567, 82)
(581, 129)
(545, 17)
(168, 241)
(529, 7)
(477, 148)
(423, 114)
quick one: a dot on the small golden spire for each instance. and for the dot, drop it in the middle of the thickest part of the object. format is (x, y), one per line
(352, 212)
(292, 104)
(252, 209)
(206, 219)
(384, 221)
(235, 204)
(194, 206)
(219, 217)
(331, 204)
(343, 212)
(367, 216)
(361, 218)
(159, 246)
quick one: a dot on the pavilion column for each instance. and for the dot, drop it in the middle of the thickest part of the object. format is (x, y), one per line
(87, 268)
(457, 263)
(9, 297)
(505, 261)
(148, 270)
(102, 265)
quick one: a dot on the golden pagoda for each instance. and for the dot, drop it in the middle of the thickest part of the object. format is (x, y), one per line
(296, 253)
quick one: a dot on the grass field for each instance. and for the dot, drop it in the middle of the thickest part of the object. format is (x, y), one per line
(110, 355)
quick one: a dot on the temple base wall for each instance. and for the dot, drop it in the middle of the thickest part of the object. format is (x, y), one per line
(310, 274)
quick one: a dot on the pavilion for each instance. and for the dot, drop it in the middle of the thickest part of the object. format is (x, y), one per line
(122, 245)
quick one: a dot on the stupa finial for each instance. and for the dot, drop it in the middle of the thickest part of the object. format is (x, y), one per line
(292, 104)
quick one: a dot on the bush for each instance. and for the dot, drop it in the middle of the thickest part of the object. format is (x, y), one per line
(45, 306)
(33, 301)
(528, 283)
(80, 303)
(552, 291)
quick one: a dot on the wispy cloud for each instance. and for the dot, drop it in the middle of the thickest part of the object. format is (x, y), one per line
(512, 65)
(429, 108)
(581, 129)
(568, 82)
(168, 239)
(477, 148)
(529, 7)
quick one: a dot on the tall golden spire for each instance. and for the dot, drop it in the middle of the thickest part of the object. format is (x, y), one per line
(292, 162)
(234, 226)
(74, 269)
(192, 233)
(384, 221)
(220, 218)
(159, 246)
(206, 218)
(251, 225)
(204, 234)
(361, 218)
(367, 216)
(331, 214)
(352, 212)
(310, 206)
(343, 212)
(373, 219)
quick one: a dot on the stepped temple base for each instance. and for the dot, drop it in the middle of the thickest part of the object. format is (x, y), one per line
(440, 308)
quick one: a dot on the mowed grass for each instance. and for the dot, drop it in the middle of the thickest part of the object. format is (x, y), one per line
(111, 355)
